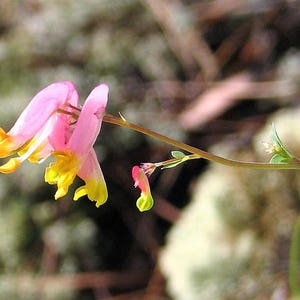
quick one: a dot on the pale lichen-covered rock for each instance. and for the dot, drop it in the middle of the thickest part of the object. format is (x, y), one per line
(232, 240)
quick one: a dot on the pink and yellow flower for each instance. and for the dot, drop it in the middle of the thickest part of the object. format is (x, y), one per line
(145, 201)
(52, 124)
(77, 156)
(37, 125)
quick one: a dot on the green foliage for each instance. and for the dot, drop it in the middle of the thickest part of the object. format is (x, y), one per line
(177, 154)
(281, 154)
(179, 158)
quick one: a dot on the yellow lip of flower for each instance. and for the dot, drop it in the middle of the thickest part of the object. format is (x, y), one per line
(94, 189)
(11, 165)
(33, 150)
(7, 145)
(95, 186)
(144, 202)
(63, 171)
(7, 148)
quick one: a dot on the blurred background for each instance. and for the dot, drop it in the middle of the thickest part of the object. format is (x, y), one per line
(214, 74)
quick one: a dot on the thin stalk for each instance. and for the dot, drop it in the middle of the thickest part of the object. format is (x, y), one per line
(62, 111)
(175, 160)
(200, 153)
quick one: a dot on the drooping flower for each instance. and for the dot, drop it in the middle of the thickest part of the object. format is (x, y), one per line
(145, 201)
(38, 124)
(78, 157)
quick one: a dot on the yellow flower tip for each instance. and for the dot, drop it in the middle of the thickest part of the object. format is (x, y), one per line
(101, 201)
(95, 191)
(51, 174)
(62, 172)
(80, 192)
(60, 192)
(7, 145)
(3, 135)
(10, 166)
(144, 202)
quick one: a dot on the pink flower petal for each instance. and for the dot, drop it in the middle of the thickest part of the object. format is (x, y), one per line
(40, 109)
(89, 122)
(140, 179)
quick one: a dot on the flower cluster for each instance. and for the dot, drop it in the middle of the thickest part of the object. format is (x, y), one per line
(54, 124)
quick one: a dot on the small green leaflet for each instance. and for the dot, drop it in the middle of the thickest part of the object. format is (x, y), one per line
(181, 157)
(177, 154)
(277, 159)
(282, 155)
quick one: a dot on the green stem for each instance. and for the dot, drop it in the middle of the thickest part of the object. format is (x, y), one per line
(200, 153)
(175, 160)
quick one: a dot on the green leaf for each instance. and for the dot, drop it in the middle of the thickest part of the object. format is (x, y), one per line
(281, 154)
(277, 158)
(177, 154)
